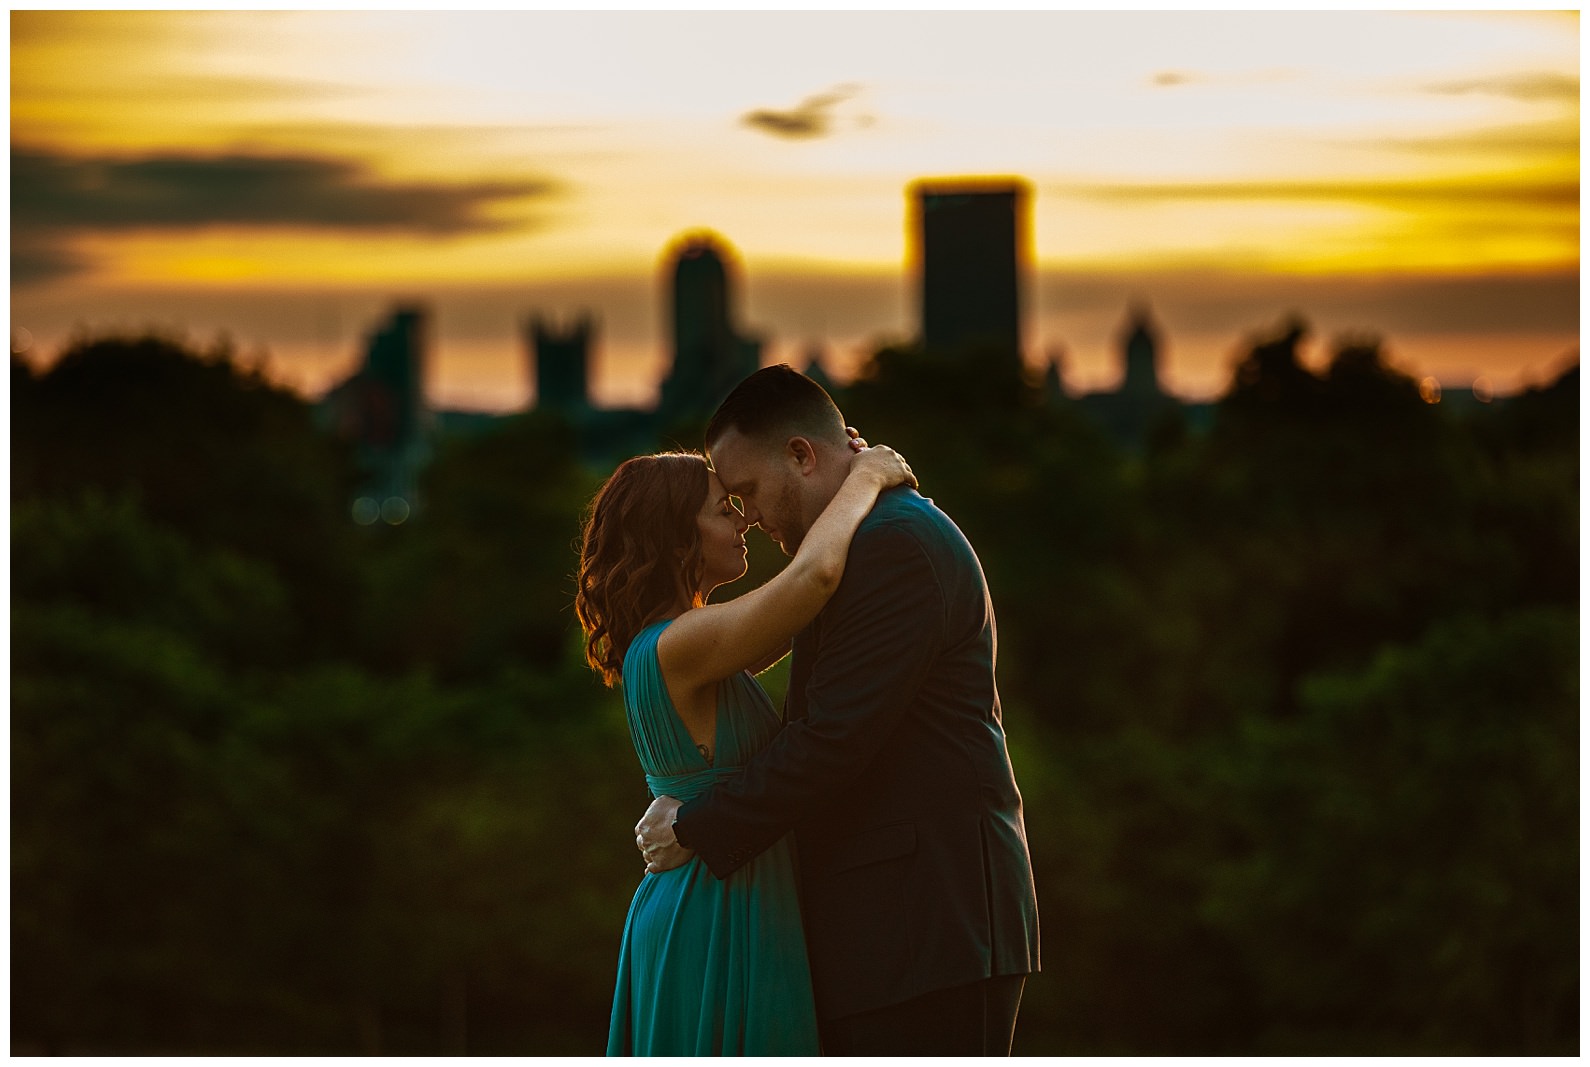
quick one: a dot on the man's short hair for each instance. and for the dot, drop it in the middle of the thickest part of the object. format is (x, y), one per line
(776, 403)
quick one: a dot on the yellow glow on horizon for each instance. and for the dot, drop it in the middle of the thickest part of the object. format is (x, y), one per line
(227, 257)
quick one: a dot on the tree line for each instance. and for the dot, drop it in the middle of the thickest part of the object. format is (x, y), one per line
(1292, 701)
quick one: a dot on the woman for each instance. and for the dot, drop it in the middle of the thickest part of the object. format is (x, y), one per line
(707, 967)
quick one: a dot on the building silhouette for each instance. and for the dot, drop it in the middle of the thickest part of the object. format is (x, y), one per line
(815, 370)
(710, 355)
(1131, 412)
(395, 362)
(381, 409)
(1140, 353)
(972, 238)
(1054, 385)
(561, 363)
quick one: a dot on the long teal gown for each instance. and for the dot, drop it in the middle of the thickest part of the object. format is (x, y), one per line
(708, 967)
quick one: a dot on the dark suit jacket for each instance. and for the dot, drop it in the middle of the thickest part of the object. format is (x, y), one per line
(893, 771)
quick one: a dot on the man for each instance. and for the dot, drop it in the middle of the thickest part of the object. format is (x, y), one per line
(916, 884)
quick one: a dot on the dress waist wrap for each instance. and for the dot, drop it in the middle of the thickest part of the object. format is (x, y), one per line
(686, 786)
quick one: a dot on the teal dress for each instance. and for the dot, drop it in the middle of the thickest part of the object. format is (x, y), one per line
(708, 967)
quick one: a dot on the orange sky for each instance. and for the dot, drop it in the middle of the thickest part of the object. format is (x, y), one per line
(286, 177)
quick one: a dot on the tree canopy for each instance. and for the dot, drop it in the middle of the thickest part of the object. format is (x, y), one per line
(1292, 703)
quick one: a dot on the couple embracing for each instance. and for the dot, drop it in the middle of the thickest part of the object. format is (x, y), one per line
(851, 877)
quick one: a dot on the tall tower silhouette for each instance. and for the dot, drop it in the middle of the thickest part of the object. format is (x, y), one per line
(381, 409)
(562, 363)
(972, 246)
(710, 356)
(1140, 351)
(395, 362)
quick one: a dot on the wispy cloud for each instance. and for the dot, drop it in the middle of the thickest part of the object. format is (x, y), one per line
(812, 118)
(1529, 87)
(1414, 194)
(1233, 301)
(1558, 138)
(183, 191)
(1175, 78)
(158, 89)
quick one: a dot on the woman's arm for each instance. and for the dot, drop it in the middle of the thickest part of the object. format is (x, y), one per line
(710, 643)
(882, 634)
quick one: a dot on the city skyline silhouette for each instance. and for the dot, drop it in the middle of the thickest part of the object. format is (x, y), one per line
(286, 178)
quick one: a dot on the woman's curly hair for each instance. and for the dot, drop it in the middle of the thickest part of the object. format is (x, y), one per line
(640, 553)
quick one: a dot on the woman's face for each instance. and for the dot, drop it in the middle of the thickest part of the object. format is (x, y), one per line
(722, 537)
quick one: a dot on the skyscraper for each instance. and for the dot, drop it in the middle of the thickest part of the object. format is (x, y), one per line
(395, 361)
(972, 246)
(1140, 354)
(562, 363)
(381, 408)
(710, 356)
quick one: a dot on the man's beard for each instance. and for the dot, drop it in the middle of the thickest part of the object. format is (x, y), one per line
(791, 527)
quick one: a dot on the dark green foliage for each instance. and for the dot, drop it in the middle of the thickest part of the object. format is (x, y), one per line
(484, 579)
(203, 447)
(107, 557)
(1293, 704)
(1427, 801)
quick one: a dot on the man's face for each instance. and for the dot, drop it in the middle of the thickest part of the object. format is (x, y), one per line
(767, 483)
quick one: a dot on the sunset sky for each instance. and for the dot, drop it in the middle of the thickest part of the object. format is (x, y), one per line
(286, 178)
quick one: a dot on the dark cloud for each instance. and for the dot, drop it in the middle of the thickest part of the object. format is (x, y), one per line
(53, 192)
(35, 262)
(812, 118)
(1543, 86)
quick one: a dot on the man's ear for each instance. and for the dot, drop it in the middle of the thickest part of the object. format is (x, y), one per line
(800, 450)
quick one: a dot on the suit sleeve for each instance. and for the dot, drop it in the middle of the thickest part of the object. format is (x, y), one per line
(879, 635)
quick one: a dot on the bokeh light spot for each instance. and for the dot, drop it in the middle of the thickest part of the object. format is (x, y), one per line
(1430, 391)
(365, 511)
(395, 510)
